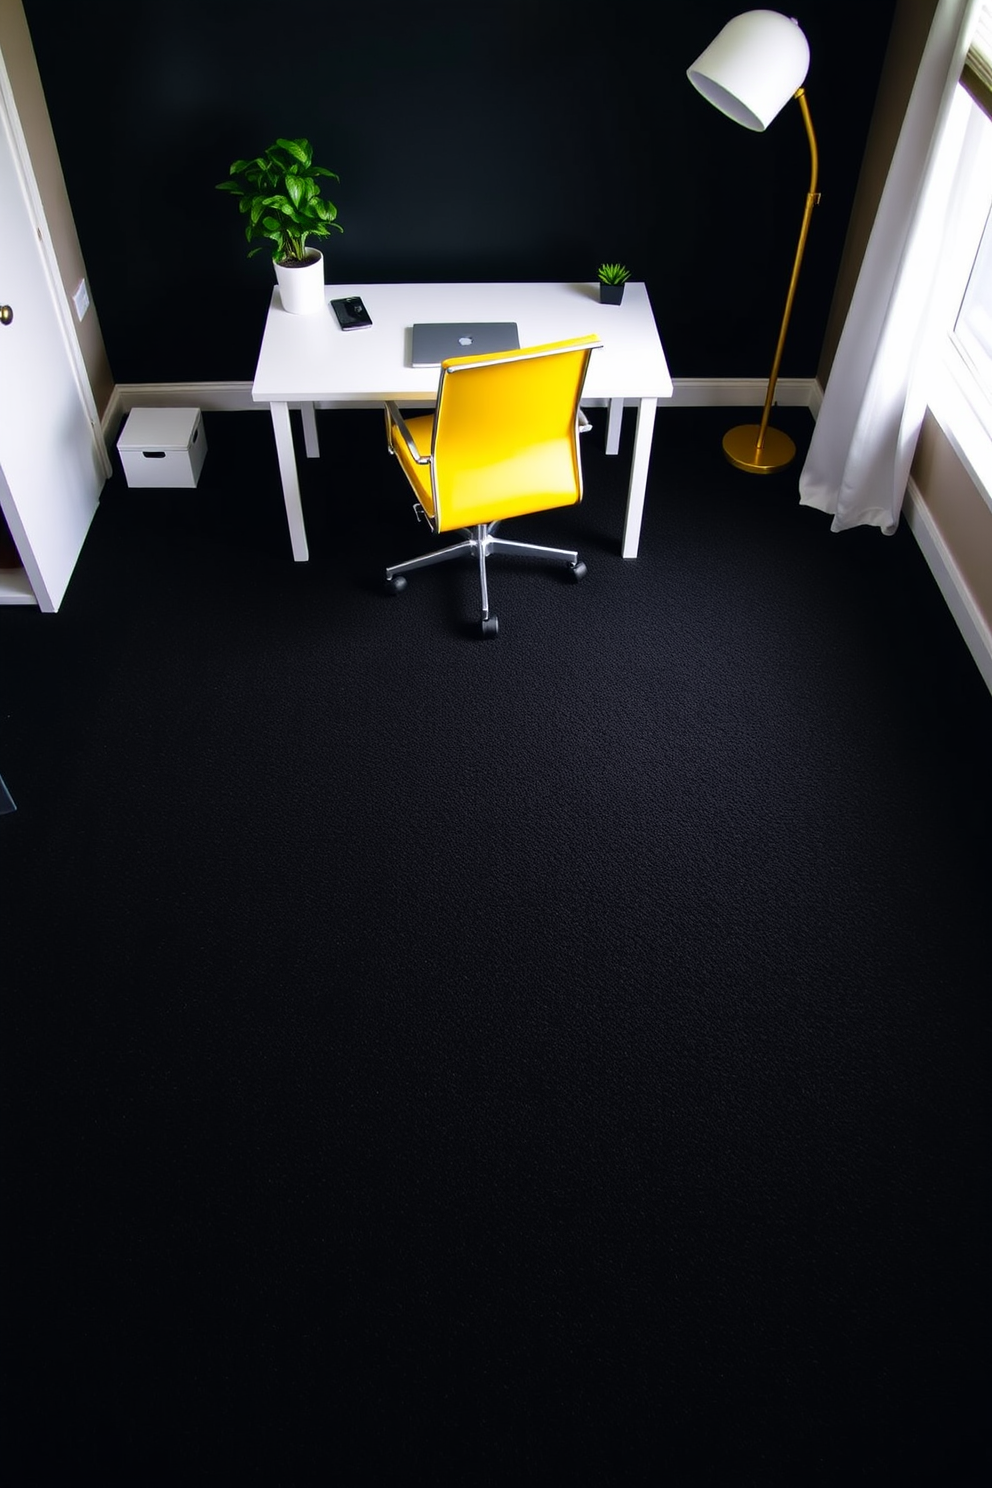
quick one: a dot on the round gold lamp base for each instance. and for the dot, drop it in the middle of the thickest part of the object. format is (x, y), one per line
(740, 446)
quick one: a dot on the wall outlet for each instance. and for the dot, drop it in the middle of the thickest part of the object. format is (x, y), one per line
(81, 299)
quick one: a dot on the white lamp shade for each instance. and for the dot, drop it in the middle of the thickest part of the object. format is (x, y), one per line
(753, 67)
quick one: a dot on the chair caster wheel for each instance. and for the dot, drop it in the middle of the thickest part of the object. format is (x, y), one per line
(577, 570)
(396, 584)
(490, 628)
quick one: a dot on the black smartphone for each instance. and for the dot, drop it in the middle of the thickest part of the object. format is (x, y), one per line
(351, 313)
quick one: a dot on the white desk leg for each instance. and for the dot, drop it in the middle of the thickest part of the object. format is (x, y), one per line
(309, 431)
(613, 423)
(283, 432)
(638, 476)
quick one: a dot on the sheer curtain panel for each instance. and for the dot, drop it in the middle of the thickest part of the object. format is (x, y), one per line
(862, 448)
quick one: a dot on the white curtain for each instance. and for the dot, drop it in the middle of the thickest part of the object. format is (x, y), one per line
(862, 448)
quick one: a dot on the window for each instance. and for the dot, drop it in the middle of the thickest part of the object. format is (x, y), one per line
(961, 398)
(973, 326)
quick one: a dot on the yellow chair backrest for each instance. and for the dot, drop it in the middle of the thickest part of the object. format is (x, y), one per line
(505, 439)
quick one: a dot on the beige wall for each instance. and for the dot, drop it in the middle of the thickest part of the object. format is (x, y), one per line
(960, 513)
(959, 510)
(29, 99)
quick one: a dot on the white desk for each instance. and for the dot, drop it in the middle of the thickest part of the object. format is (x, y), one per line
(307, 361)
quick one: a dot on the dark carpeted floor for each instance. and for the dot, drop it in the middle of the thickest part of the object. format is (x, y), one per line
(429, 1061)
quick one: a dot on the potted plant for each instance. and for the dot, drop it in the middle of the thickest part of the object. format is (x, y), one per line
(280, 194)
(612, 278)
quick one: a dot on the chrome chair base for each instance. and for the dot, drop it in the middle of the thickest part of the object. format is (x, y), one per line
(482, 541)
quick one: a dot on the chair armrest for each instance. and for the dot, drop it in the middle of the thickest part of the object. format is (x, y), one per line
(397, 418)
(584, 424)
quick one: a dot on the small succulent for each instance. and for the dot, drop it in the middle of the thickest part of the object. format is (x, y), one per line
(613, 273)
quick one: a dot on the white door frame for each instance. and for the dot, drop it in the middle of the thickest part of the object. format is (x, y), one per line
(29, 187)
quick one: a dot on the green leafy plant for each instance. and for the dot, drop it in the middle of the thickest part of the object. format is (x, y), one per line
(613, 273)
(281, 196)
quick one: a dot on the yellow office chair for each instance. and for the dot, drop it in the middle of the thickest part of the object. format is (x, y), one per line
(502, 442)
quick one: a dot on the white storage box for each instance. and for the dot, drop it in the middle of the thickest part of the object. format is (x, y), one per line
(162, 446)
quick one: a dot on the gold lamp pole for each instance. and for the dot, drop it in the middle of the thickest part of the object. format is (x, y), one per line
(749, 72)
(756, 446)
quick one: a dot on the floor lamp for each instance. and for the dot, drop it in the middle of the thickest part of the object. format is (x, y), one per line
(749, 72)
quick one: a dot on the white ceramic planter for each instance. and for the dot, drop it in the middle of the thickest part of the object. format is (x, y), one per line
(301, 286)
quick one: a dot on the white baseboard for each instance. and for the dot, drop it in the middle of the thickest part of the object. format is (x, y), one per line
(224, 397)
(950, 581)
(235, 397)
(740, 392)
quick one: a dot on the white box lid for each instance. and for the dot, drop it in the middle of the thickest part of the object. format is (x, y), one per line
(158, 428)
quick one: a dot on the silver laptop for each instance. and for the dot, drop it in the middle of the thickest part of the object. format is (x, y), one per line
(434, 343)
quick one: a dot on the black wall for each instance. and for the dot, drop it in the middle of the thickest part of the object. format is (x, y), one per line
(526, 139)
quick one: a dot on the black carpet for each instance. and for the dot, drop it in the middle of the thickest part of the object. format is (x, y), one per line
(436, 1061)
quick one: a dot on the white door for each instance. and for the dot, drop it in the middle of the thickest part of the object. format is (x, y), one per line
(52, 464)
